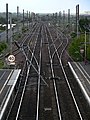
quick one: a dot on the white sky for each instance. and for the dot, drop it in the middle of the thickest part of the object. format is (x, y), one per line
(45, 6)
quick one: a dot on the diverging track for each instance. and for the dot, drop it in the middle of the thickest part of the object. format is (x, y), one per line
(44, 92)
(66, 103)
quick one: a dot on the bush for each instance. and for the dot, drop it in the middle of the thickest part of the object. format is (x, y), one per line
(2, 28)
(1, 64)
(76, 45)
(88, 52)
(3, 46)
(73, 34)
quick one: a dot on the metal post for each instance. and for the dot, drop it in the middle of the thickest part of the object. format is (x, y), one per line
(89, 36)
(11, 33)
(23, 17)
(59, 17)
(7, 23)
(63, 18)
(56, 18)
(17, 19)
(85, 45)
(77, 29)
(77, 18)
(27, 19)
(53, 18)
(69, 16)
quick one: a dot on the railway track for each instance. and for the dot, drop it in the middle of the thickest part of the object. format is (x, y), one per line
(25, 75)
(70, 112)
(44, 91)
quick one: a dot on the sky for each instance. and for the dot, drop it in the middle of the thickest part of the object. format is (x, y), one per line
(45, 6)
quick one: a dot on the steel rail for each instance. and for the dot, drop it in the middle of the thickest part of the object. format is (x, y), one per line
(19, 87)
(39, 82)
(32, 35)
(32, 53)
(35, 69)
(57, 49)
(60, 61)
(55, 89)
(17, 91)
(24, 87)
(32, 64)
(18, 111)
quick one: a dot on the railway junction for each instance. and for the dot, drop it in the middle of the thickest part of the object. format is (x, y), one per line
(45, 86)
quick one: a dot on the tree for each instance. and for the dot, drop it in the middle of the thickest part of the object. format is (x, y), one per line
(2, 20)
(84, 24)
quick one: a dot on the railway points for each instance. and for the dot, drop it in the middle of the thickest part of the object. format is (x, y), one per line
(46, 84)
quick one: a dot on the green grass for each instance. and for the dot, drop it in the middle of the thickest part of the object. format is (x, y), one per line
(3, 46)
(1, 64)
(76, 45)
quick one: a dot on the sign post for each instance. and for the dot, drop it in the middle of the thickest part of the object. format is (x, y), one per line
(11, 59)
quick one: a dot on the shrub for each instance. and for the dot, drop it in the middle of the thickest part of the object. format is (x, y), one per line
(1, 64)
(3, 46)
(76, 45)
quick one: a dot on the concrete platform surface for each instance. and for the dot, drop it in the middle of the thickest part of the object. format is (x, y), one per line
(8, 79)
(81, 72)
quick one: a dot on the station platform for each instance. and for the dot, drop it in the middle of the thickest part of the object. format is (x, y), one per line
(81, 72)
(8, 80)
